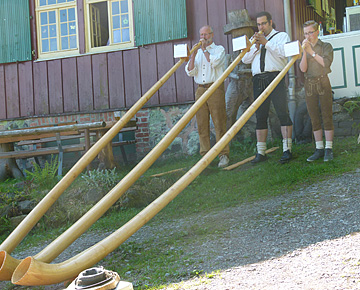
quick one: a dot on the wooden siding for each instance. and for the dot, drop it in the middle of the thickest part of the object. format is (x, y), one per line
(115, 80)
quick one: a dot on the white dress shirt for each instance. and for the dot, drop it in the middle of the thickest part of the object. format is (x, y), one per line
(205, 72)
(275, 59)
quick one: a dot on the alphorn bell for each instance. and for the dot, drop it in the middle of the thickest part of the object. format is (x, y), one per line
(8, 263)
(62, 242)
(33, 272)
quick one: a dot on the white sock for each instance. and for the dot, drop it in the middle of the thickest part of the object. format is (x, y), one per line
(319, 144)
(328, 144)
(287, 144)
(261, 147)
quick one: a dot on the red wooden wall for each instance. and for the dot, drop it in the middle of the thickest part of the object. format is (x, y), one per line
(116, 80)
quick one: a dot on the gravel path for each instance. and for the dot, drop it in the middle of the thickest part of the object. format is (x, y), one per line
(307, 239)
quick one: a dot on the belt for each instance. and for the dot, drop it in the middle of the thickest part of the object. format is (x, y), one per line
(267, 73)
(315, 78)
(205, 85)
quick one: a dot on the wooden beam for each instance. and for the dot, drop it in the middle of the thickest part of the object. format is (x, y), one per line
(248, 159)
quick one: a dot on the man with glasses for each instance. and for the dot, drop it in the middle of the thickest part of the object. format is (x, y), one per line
(267, 58)
(206, 65)
(315, 64)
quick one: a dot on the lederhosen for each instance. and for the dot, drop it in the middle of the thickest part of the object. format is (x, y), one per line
(319, 99)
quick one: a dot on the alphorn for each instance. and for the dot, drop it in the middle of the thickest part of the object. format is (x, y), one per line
(8, 263)
(62, 242)
(33, 272)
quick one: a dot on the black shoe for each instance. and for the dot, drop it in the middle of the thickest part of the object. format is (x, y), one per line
(287, 155)
(259, 158)
(328, 155)
(317, 155)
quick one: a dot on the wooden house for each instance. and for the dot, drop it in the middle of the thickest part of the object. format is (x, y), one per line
(62, 58)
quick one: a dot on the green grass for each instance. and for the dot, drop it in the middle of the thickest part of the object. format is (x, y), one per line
(149, 267)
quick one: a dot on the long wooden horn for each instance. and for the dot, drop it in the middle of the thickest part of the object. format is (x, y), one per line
(62, 242)
(33, 272)
(9, 244)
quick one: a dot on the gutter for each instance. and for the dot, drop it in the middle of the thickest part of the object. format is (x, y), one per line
(292, 98)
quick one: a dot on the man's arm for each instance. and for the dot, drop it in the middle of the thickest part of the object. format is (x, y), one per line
(190, 67)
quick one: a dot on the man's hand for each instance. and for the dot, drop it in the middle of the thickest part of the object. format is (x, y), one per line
(260, 38)
(195, 51)
(307, 47)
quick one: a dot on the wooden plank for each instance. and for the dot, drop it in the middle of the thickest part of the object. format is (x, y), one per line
(148, 67)
(167, 93)
(2, 93)
(184, 84)
(41, 151)
(276, 9)
(116, 80)
(41, 88)
(132, 76)
(234, 5)
(81, 25)
(197, 17)
(26, 89)
(33, 29)
(55, 86)
(70, 85)
(100, 81)
(86, 97)
(217, 20)
(12, 90)
(254, 7)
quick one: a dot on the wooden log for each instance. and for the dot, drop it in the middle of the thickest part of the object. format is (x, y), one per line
(248, 159)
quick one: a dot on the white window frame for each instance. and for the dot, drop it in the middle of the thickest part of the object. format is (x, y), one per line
(111, 46)
(56, 8)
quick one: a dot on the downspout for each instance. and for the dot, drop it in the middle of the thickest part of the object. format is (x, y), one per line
(292, 99)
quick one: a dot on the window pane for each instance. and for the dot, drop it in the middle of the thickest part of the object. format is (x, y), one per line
(73, 42)
(61, 1)
(50, 2)
(64, 30)
(44, 32)
(125, 35)
(53, 44)
(116, 22)
(117, 36)
(45, 45)
(64, 43)
(63, 15)
(72, 28)
(125, 20)
(43, 18)
(115, 8)
(124, 6)
(71, 12)
(52, 17)
(52, 30)
(42, 2)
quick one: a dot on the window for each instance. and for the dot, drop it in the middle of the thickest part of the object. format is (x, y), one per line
(109, 24)
(56, 27)
(106, 25)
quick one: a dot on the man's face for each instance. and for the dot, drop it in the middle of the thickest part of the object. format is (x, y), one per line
(207, 35)
(311, 34)
(264, 25)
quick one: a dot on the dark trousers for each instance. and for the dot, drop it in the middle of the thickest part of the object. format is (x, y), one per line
(278, 97)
